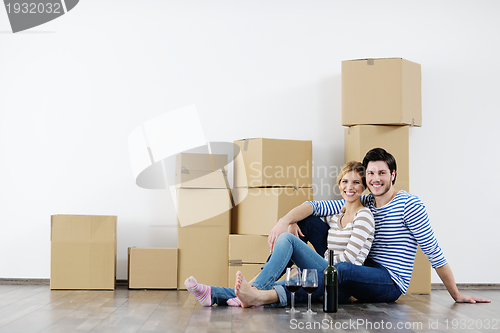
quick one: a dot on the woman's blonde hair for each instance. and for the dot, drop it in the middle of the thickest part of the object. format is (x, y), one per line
(352, 166)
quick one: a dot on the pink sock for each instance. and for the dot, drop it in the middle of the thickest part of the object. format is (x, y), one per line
(234, 301)
(202, 292)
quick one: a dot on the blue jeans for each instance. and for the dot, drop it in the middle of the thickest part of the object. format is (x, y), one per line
(287, 247)
(368, 283)
(315, 232)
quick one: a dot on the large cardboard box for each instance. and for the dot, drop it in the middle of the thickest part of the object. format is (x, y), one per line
(83, 252)
(358, 140)
(272, 162)
(204, 218)
(395, 139)
(258, 209)
(420, 282)
(247, 253)
(381, 91)
(152, 268)
(201, 171)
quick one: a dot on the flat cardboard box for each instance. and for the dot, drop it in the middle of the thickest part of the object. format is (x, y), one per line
(202, 239)
(359, 139)
(83, 252)
(420, 282)
(258, 209)
(272, 162)
(381, 92)
(201, 171)
(247, 253)
(152, 268)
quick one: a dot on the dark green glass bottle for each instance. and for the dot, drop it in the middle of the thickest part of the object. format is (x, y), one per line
(331, 286)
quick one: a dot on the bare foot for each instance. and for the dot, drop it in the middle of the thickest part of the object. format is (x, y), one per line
(249, 296)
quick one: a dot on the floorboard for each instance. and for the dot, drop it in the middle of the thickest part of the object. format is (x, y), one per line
(27, 308)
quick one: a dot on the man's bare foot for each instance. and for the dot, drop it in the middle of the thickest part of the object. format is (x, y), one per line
(250, 296)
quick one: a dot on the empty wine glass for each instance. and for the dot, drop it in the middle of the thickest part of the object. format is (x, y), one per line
(309, 284)
(292, 284)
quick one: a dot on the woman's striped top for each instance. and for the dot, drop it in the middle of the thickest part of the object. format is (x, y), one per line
(352, 242)
(400, 226)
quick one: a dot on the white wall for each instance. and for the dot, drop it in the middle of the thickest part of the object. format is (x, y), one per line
(73, 89)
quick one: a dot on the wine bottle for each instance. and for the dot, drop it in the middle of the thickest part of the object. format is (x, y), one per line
(331, 286)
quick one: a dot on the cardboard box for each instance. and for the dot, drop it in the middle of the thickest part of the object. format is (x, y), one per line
(83, 252)
(394, 139)
(247, 253)
(249, 271)
(420, 282)
(204, 218)
(272, 162)
(381, 92)
(358, 140)
(258, 209)
(201, 171)
(152, 268)
(248, 249)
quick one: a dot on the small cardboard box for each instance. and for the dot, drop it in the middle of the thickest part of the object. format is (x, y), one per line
(247, 253)
(381, 92)
(83, 252)
(152, 268)
(201, 171)
(204, 219)
(272, 162)
(358, 140)
(258, 209)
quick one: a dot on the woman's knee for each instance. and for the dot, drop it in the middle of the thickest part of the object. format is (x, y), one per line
(285, 237)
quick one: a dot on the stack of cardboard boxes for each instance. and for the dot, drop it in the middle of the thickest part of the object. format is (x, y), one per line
(271, 176)
(381, 98)
(203, 218)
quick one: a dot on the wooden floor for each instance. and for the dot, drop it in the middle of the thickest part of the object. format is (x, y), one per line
(28, 308)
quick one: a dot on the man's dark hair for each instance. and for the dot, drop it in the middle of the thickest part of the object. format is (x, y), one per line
(379, 154)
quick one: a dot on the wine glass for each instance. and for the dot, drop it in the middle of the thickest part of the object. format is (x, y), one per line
(309, 284)
(292, 284)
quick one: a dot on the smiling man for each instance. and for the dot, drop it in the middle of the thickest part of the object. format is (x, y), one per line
(401, 224)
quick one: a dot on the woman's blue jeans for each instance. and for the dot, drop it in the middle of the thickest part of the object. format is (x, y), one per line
(287, 247)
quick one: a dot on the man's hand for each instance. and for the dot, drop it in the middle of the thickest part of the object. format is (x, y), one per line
(446, 276)
(470, 299)
(276, 231)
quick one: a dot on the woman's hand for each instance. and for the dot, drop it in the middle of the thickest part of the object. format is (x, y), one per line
(295, 230)
(276, 231)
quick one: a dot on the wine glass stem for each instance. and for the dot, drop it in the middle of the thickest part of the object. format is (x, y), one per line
(309, 302)
(293, 300)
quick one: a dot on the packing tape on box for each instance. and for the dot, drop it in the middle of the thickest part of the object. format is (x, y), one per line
(370, 62)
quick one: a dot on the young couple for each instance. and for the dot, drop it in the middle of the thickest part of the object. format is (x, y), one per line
(400, 222)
